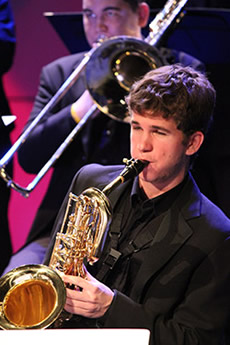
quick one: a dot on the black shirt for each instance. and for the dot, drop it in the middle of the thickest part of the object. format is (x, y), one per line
(132, 232)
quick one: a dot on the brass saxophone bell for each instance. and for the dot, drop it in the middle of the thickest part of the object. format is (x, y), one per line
(31, 297)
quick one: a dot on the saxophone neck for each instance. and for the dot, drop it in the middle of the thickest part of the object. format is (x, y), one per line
(133, 168)
(113, 185)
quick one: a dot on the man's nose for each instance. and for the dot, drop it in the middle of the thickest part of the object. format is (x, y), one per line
(101, 22)
(145, 144)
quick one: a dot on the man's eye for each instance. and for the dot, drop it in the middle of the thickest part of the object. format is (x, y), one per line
(157, 131)
(111, 13)
(136, 128)
(89, 15)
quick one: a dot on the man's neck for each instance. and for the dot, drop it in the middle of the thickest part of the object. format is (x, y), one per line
(153, 190)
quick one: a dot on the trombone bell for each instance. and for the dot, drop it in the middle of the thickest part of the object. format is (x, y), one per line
(114, 67)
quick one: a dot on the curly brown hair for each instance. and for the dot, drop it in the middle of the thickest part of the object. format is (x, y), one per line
(177, 92)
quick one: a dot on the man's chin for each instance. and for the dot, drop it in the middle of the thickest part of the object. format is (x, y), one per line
(145, 176)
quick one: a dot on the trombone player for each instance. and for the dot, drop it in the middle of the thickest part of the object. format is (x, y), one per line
(102, 140)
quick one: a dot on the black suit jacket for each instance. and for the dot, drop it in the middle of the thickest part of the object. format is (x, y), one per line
(181, 292)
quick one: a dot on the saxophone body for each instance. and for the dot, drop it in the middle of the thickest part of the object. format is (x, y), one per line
(83, 232)
(86, 223)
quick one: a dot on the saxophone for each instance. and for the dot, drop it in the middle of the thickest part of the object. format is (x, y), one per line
(33, 296)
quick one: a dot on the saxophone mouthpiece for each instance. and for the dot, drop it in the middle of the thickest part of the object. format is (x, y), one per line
(133, 167)
(142, 164)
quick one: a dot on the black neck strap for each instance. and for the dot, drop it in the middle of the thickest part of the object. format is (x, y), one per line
(142, 241)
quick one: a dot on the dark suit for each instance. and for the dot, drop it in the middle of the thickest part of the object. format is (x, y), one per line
(181, 292)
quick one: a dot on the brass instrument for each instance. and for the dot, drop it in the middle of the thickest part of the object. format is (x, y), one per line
(33, 296)
(110, 69)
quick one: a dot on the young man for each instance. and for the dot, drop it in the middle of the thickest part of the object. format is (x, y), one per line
(172, 275)
(102, 140)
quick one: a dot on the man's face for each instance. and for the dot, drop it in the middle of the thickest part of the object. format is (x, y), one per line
(108, 18)
(159, 142)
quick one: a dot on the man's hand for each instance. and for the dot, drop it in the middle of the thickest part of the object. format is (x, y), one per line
(81, 106)
(90, 298)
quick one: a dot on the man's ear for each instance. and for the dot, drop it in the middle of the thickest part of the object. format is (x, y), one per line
(194, 143)
(143, 14)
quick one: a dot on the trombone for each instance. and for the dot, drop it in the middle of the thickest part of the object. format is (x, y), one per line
(108, 67)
